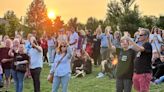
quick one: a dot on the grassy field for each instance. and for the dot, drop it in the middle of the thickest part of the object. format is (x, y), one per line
(87, 84)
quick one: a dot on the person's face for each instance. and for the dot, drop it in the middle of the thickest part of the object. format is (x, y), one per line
(142, 36)
(8, 43)
(116, 35)
(162, 48)
(124, 43)
(21, 48)
(63, 47)
(159, 31)
(16, 43)
(155, 55)
(162, 58)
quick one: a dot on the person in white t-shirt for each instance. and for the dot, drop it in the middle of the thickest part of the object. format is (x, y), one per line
(36, 63)
(73, 39)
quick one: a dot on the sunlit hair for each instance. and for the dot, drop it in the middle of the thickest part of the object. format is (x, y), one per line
(124, 38)
(29, 36)
(8, 40)
(63, 43)
(98, 29)
(107, 29)
(16, 40)
(146, 31)
(119, 33)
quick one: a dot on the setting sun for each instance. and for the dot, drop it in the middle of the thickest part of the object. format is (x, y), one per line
(51, 14)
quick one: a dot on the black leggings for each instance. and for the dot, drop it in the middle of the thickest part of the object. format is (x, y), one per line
(35, 73)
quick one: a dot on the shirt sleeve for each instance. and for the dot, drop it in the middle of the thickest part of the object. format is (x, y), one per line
(147, 47)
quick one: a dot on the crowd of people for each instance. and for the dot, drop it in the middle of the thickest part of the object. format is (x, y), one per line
(132, 60)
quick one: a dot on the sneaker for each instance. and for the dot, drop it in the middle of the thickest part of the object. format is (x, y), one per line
(100, 75)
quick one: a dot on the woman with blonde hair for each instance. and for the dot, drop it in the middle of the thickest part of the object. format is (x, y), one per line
(61, 69)
(20, 60)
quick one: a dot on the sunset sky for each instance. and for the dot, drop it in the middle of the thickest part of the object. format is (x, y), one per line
(82, 9)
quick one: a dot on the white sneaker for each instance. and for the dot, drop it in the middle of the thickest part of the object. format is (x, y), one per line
(100, 75)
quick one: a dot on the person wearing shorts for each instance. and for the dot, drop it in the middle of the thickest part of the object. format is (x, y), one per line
(142, 63)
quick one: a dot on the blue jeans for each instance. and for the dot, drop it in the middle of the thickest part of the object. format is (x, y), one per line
(160, 80)
(60, 79)
(18, 80)
(51, 52)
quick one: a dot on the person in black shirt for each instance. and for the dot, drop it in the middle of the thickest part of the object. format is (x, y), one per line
(96, 49)
(124, 68)
(142, 63)
(20, 58)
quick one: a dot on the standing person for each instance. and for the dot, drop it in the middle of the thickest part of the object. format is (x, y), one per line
(61, 69)
(5, 60)
(124, 68)
(20, 59)
(51, 49)
(117, 38)
(105, 37)
(73, 38)
(44, 45)
(96, 48)
(142, 63)
(36, 63)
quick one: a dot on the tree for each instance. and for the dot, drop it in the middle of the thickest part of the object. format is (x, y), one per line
(92, 24)
(161, 22)
(121, 15)
(73, 22)
(58, 23)
(37, 16)
(13, 21)
(130, 21)
(149, 21)
(114, 11)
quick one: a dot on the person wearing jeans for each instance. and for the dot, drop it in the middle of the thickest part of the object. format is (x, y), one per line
(61, 68)
(36, 63)
(51, 49)
(19, 58)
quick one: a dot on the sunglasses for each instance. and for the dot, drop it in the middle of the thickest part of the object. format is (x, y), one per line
(63, 46)
(142, 35)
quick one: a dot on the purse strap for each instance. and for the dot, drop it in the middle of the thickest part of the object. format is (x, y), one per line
(59, 62)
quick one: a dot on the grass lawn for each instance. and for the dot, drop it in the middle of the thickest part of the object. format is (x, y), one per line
(87, 84)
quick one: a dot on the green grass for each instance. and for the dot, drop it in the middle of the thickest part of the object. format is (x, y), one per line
(87, 84)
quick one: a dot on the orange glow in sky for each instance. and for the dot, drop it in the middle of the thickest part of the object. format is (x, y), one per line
(82, 9)
(51, 14)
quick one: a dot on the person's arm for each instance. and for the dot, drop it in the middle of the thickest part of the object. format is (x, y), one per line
(135, 46)
(74, 42)
(10, 53)
(6, 60)
(37, 47)
(22, 62)
(69, 52)
(111, 46)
